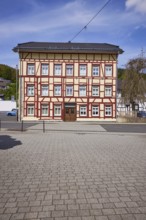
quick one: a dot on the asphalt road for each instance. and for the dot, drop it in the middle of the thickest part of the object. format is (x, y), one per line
(11, 123)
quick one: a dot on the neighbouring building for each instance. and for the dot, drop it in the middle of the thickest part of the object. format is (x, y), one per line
(67, 81)
(4, 83)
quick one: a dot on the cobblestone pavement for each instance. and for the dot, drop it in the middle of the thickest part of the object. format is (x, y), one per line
(72, 176)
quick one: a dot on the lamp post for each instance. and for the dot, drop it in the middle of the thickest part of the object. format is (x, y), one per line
(16, 83)
(17, 89)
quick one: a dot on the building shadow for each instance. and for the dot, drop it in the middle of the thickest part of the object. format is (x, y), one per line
(7, 142)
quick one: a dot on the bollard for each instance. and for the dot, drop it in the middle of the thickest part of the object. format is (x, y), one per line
(43, 126)
(22, 125)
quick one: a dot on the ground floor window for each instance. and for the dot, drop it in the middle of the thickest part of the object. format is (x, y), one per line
(108, 110)
(57, 110)
(30, 110)
(83, 110)
(44, 110)
(95, 110)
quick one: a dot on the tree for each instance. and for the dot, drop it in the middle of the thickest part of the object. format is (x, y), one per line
(134, 83)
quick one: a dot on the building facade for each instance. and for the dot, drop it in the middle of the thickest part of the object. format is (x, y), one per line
(67, 81)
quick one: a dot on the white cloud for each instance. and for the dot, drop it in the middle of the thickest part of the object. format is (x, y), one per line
(137, 5)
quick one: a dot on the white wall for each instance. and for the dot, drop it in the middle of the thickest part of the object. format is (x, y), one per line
(7, 105)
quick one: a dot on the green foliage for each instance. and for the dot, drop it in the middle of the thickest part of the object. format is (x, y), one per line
(134, 83)
(121, 73)
(8, 73)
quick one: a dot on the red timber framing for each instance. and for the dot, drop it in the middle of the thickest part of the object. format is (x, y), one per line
(59, 106)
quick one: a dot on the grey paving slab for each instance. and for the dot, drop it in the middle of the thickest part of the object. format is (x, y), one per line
(69, 126)
(65, 175)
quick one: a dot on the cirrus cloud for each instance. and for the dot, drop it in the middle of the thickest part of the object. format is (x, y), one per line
(139, 6)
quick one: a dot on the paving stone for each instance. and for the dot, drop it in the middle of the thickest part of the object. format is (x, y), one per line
(5, 216)
(66, 175)
(114, 217)
(140, 217)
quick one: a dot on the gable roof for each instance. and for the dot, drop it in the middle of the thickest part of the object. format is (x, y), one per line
(67, 47)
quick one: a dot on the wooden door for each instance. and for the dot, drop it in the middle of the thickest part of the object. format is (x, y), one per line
(70, 114)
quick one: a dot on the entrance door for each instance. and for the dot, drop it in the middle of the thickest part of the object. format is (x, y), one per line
(70, 113)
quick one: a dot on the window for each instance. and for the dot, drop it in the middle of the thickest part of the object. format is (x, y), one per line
(83, 110)
(30, 110)
(108, 110)
(108, 70)
(57, 69)
(95, 70)
(44, 69)
(45, 90)
(69, 90)
(30, 69)
(44, 110)
(57, 90)
(30, 90)
(83, 69)
(57, 110)
(82, 90)
(95, 90)
(69, 70)
(108, 91)
(95, 110)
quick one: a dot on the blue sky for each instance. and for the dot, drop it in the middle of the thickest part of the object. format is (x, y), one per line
(122, 22)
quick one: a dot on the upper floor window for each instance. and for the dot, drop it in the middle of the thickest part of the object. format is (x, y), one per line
(30, 110)
(95, 90)
(69, 70)
(30, 90)
(57, 90)
(83, 110)
(69, 90)
(57, 69)
(82, 90)
(95, 70)
(108, 90)
(83, 70)
(30, 69)
(108, 70)
(45, 69)
(108, 110)
(45, 90)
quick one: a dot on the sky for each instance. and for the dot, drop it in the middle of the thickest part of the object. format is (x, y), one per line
(121, 22)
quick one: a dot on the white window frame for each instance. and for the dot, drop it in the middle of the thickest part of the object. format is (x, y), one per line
(44, 90)
(30, 90)
(95, 90)
(57, 110)
(30, 69)
(69, 69)
(82, 91)
(69, 90)
(57, 90)
(44, 109)
(108, 110)
(45, 69)
(57, 69)
(95, 110)
(83, 111)
(83, 70)
(108, 70)
(108, 91)
(30, 110)
(95, 70)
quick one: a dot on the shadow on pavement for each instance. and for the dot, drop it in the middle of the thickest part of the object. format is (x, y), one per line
(7, 142)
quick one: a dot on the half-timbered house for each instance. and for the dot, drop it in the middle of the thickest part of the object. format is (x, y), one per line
(67, 81)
